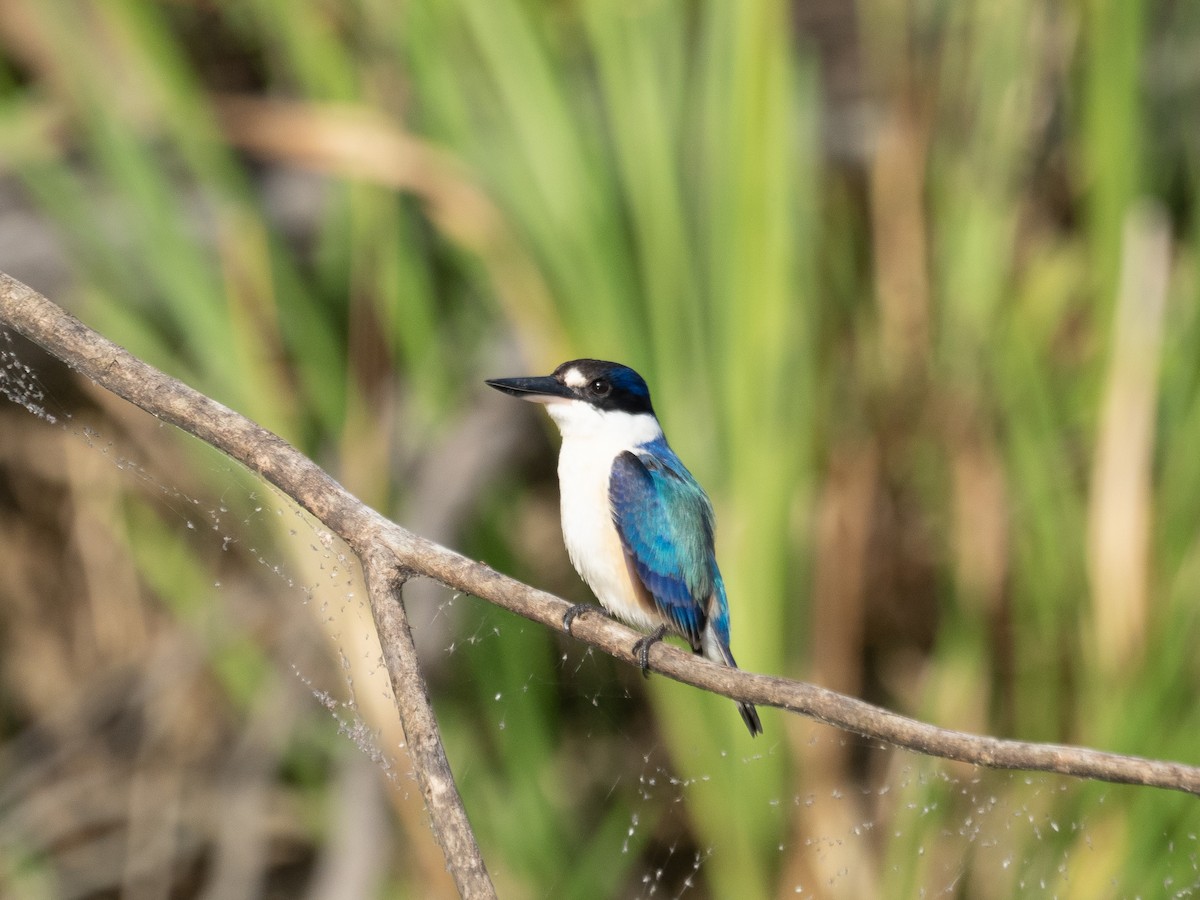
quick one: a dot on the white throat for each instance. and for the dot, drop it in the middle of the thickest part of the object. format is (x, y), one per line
(603, 431)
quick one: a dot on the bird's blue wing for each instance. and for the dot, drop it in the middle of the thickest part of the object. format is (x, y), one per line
(665, 523)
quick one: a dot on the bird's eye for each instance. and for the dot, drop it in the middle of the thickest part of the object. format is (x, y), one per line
(600, 387)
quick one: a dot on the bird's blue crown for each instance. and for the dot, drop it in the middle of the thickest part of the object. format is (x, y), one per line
(607, 385)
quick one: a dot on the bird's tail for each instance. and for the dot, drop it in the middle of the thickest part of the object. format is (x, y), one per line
(718, 651)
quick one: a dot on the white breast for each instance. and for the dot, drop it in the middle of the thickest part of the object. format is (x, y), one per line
(591, 441)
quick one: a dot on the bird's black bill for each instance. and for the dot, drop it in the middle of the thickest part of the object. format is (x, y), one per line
(539, 389)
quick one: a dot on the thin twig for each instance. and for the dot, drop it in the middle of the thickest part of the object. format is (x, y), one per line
(369, 534)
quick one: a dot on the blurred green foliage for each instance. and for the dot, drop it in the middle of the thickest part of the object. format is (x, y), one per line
(915, 288)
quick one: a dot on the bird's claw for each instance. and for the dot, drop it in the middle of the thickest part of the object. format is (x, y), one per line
(570, 614)
(642, 648)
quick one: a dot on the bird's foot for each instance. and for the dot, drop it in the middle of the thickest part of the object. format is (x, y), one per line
(642, 648)
(570, 614)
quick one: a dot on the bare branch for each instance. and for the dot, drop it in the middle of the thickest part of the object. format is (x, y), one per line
(389, 553)
(385, 580)
(364, 530)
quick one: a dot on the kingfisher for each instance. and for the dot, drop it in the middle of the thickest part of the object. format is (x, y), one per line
(638, 527)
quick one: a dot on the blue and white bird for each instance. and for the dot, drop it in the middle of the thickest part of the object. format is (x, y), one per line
(637, 525)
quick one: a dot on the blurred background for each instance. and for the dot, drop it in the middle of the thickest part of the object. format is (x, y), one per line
(914, 285)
